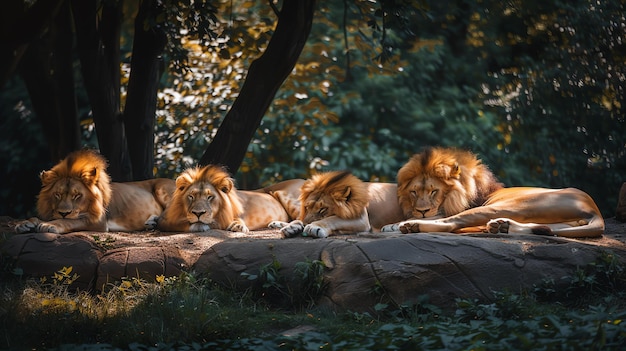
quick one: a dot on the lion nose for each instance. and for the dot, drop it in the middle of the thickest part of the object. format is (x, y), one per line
(198, 213)
(423, 212)
(63, 214)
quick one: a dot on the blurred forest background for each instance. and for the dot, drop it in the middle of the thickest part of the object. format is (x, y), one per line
(535, 88)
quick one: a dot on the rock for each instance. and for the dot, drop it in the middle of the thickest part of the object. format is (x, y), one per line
(145, 263)
(401, 268)
(42, 254)
(360, 271)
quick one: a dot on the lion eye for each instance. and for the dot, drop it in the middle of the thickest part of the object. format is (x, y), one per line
(77, 196)
(57, 196)
(322, 210)
(210, 197)
(190, 197)
(434, 192)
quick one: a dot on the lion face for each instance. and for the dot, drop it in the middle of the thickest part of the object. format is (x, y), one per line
(325, 205)
(201, 202)
(70, 199)
(329, 194)
(425, 197)
(443, 182)
(77, 187)
(204, 199)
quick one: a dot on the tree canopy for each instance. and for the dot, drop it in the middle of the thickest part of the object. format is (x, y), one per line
(534, 87)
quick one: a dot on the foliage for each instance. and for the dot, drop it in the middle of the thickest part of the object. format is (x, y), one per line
(534, 87)
(188, 313)
(305, 288)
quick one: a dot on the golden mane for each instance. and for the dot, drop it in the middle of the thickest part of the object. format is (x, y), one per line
(86, 166)
(467, 181)
(230, 204)
(349, 194)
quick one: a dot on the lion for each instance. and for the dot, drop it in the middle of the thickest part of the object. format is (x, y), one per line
(206, 198)
(450, 190)
(338, 202)
(77, 195)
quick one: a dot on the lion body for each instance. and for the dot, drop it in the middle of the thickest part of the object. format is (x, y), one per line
(77, 195)
(338, 203)
(260, 209)
(449, 190)
(133, 202)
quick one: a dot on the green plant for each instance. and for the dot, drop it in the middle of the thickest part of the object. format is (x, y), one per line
(308, 283)
(304, 289)
(605, 276)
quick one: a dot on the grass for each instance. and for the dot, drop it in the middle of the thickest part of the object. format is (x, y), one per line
(191, 313)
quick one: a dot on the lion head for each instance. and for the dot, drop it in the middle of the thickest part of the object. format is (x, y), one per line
(443, 182)
(204, 199)
(337, 193)
(77, 187)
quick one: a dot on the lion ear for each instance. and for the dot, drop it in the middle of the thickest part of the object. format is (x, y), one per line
(445, 171)
(183, 181)
(343, 195)
(226, 185)
(48, 177)
(90, 176)
(456, 171)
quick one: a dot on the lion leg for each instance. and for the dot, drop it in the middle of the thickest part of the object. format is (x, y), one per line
(238, 225)
(334, 225)
(391, 227)
(290, 203)
(62, 226)
(277, 224)
(315, 231)
(292, 229)
(152, 222)
(29, 225)
(425, 226)
(507, 225)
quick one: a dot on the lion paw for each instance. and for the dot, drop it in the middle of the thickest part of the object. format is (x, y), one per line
(390, 227)
(151, 223)
(292, 229)
(409, 227)
(315, 231)
(44, 227)
(238, 226)
(498, 225)
(26, 226)
(199, 227)
(277, 224)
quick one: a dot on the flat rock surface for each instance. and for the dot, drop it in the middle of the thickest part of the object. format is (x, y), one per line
(361, 269)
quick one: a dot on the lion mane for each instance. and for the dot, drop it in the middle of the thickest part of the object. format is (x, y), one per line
(209, 190)
(444, 182)
(86, 166)
(344, 194)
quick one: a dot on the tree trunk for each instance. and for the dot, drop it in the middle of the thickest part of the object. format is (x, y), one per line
(48, 72)
(265, 76)
(20, 25)
(97, 41)
(145, 71)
